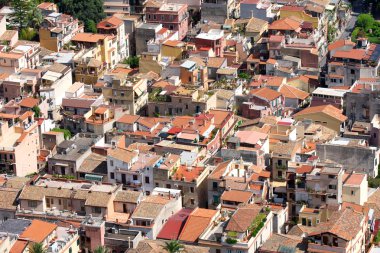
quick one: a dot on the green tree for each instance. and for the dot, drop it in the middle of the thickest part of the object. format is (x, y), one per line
(101, 249)
(27, 34)
(37, 248)
(365, 21)
(90, 26)
(173, 246)
(83, 10)
(20, 16)
(35, 17)
(66, 132)
(244, 75)
(132, 61)
(37, 111)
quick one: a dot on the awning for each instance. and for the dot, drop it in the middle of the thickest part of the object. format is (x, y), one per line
(93, 177)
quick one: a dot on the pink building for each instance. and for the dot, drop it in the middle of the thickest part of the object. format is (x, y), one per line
(213, 39)
(172, 16)
(19, 144)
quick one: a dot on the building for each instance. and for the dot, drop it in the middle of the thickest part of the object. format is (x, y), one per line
(245, 230)
(132, 169)
(355, 154)
(213, 39)
(327, 115)
(197, 222)
(355, 188)
(181, 101)
(345, 230)
(102, 47)
(115, 26)
(190, 179)
(347, 66)
(151, 214)
(71, 154)
(263, 99)
(128, 92)
(55, 238)
(54, 83)
(57, 30)
(144, 33)
(172, 16)
(257, 9)
(220, 10)
(19, 143)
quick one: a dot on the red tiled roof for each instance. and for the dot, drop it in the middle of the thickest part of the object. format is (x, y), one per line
(355, 54)
(237, 196)
(339, 43)
(196, 223)
(329, 110)
(109, 23)
(38, 231)
(285, 24)
(174, 225)
(265, 93)
(19, 246)
(304, 169)
(29, 102)
(289, 91)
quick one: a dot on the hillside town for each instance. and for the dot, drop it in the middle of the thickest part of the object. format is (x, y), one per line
(199, 126)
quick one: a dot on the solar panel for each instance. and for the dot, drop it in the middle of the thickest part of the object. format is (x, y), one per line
(285, 249)
(376, 54)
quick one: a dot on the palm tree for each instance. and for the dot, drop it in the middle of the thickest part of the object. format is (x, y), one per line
(173, 246)
(37, 248)
(101, 249)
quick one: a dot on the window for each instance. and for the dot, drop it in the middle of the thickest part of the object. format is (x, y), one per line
(147, 193)
(192, 201)
(59, 202)
(214, 185)
(279, 162)
(353, 71)
(32, 203)
(154, 17)
(168, 186)
(147, 180)
(332, 187)
(134, 177)
(352, 193)
(96, 209)
(112, 175)
(303, 221)
(192, 189)
(157, 184)
(279, 174)
(111, 162)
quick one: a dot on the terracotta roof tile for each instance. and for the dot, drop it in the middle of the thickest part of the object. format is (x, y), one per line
(329, 110)
(339, 43)
(289, 91)
(265, 93)
(110, 22)
(38, 231)
(19, 246)
(195, 225)
(128, 119)
(285, 24)
(243, 218)
(237, 196)
(29, 102)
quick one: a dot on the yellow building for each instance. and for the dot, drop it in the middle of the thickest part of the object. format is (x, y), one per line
(355, 188)
(153, 62)
(101, 47)
(174, 49)
(326, 115)
(298, 12)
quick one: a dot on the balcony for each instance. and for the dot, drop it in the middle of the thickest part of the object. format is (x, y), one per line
(314, 247)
